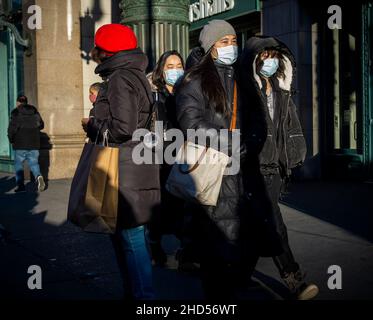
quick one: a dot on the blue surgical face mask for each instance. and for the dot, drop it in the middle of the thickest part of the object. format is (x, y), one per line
(172, 75)
(227, 55)
(270, 66)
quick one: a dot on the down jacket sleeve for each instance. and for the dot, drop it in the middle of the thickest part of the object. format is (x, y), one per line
(192, 111)
(122, 117)
(255, 125)
(123, 100)
(190, 108)
(294, 125)
(40, 121)
(296, 143)
(13, 126)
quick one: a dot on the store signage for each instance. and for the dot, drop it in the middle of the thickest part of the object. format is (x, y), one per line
(207, 8)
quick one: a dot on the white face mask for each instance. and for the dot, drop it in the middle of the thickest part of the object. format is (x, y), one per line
(227, 55)
(270, 66)
(172, 75)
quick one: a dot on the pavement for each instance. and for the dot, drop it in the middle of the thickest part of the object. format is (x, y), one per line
(329, 223)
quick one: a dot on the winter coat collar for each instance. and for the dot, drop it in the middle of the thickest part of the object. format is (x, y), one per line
(194, 57)
(26, 109)
(128, 59)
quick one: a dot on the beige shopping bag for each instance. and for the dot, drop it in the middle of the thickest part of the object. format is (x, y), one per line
(197, 174)
(93, 201)
(101, 198)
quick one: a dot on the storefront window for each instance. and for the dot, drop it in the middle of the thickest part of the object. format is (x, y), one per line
(11, 79)
(347, 115)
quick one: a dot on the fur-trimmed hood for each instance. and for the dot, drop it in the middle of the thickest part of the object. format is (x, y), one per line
(254, 46)
(149, 76)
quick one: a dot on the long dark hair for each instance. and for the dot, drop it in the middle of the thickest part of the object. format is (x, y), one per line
(158, 75)
(211, 84)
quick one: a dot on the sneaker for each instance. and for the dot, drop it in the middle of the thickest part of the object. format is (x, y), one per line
(20, 188)
(41, 183)
(307, 291)
(300, 289)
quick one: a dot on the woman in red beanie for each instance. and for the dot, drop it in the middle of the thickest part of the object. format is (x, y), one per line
(127, 97)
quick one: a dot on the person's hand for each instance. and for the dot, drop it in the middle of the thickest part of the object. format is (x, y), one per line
(84, 123)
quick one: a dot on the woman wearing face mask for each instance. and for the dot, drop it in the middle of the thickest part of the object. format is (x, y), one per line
(168, 70)
(269, 66)
(205, 99)
(168, 220)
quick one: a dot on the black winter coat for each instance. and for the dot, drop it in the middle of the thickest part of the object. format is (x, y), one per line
(284, 147)
(122, 106)
(165, 105)
(169, 219)
(24, 128)
(224, 232)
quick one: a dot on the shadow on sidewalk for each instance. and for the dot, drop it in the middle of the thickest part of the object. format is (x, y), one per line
(16, 215)
(67, 256)
(347, 205)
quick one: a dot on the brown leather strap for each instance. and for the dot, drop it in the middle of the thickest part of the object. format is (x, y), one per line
(234, 113)
(231, 127)
(196, 165)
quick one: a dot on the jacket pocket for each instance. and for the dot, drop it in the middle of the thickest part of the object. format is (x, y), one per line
(268, 154)
(296, 149)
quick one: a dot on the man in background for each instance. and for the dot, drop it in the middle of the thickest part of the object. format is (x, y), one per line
(24, 135)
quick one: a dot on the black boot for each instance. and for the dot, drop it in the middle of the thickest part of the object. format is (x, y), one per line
(159, 257)
(20, 188)
(186, 261)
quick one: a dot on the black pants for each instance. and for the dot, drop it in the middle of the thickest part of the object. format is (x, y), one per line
(285, 262)
(168, 217)
(221, 281)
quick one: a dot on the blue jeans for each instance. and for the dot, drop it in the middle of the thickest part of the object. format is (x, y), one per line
(32, 158)
(138, 262)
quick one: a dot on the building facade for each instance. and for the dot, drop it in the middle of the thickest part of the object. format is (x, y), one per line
(52, 67)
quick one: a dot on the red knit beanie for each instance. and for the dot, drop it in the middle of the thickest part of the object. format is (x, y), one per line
(115, 37)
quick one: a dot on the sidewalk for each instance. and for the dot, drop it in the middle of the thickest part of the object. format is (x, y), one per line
(328, 224)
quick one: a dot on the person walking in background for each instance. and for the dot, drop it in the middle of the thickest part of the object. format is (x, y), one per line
(24, 135)
(94, 91)
(169, 219)
(269, 65)
(126, 104)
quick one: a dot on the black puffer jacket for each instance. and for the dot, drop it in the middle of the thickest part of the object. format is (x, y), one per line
(221, 229)
(285, 146)
(24, 128)
(165, 105)
(195, 56)
(124, 105)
